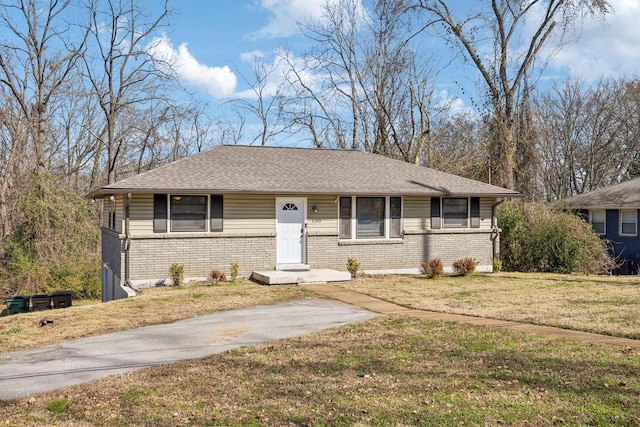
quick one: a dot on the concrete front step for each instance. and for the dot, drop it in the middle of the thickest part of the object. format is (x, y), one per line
(282, 277)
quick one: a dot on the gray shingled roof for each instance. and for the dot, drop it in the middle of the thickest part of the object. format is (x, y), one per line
(623, 195)
(237, 169)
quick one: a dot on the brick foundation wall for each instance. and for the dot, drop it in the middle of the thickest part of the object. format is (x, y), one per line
(152, 256)
(447, 245)
(451, 246)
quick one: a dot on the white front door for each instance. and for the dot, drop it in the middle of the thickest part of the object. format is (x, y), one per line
(290, 233)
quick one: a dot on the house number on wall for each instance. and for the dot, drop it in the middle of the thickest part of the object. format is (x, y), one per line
(316, 220)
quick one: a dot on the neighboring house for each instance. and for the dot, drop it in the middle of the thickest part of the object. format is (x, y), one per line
(613, 214)
(269, 208)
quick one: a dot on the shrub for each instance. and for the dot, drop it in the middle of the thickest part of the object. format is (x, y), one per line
(54, 243)
(536, 237)
(353, 266)
(235, 269)
(497, 265)
(58, 406)
(433, 268)
(464, 266)
(217, 276)
(176, 271)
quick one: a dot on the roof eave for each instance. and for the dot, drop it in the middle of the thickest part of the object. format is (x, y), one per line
(105, 191)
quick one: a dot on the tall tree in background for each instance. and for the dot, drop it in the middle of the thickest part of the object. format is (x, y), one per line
(506, 41)
(38, 54)
(122, 71)
(589, 135)
(376, 91)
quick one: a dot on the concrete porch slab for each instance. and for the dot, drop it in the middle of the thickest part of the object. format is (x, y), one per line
(283, 277)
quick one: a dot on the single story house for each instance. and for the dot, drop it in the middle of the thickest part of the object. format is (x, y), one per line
(268, 208)
(613, 213)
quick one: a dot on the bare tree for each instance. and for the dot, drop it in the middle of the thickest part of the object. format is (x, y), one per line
(37, 55)
(373, 90)
(517, 51)
(265, 98)
(589, 135)
(122, 71)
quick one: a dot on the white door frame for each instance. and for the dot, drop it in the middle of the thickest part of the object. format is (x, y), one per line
(301, 203)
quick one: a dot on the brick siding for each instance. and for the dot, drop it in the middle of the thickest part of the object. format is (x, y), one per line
(151, 256)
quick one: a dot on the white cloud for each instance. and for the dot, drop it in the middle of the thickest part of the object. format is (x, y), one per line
(249, 57)
(285, 15)
(220, 82)
(608, 49)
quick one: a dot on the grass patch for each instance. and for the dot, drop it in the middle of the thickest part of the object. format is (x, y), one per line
(600, 304)
(150, 306)
(389, 371)
(58, 406)
(14, 330)
(374, 373)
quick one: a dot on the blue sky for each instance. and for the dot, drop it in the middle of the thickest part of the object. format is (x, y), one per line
(213, 39)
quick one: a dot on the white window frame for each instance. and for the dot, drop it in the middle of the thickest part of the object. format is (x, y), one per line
(206, 213)
(442, 216)
(604, 220)
(387, 219)
(634, 214)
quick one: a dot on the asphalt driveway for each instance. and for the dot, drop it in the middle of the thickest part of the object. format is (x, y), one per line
(42, 369)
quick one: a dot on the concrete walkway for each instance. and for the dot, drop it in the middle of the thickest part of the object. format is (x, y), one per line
(383, 307)
(27, 372)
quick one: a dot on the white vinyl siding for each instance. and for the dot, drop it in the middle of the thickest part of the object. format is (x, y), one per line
(324, 221)
(141, 214)
(249, 214)
(416, 214)
(486, 207)
(628, 222)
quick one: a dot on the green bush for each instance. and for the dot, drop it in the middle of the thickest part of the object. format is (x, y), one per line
(537, 238)
(433, 268)
(53, 245)
(464, 266)
(176, 272)
(235, 270)
(353, 267)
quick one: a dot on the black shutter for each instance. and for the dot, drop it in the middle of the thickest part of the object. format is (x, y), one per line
(436, 221)
(345, 218)
(159, 213)
(475, 212)
(216, 213)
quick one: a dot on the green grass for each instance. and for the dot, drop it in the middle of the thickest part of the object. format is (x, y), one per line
(58, 406)
(390, 371)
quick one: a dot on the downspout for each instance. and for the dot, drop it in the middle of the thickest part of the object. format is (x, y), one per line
(495, 231)
(127, 244)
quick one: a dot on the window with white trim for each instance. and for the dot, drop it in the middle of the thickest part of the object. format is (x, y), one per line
(455, 212)
(597, 218)
(629, 222)
(187, 213)
(370, 217)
